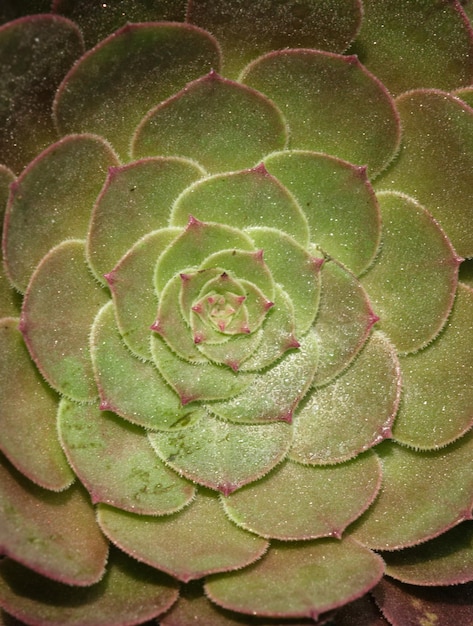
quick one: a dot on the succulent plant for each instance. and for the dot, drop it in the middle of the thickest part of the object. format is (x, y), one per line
(236, 302)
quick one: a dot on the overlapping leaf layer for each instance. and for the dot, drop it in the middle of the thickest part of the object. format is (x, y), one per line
(236, 312)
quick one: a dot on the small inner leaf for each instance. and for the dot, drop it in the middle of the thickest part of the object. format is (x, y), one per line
(275, 393)
(130, 387)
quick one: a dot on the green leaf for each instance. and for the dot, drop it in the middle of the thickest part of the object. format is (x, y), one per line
(243, 199)
(135, 300)
(196, 242)
(412, 284)
(343, 322)
(59, 307)
(435, 164)
(220, 455)
(397, 43)
(128, 594)
(30, 72)
(437, 390)
(353, 412)
(318, 91)
(116, 463)
(140, 193)
(339, 203)
(28, 415)
(247, 30)
(296, 502)
(138, 65)
(446, 560)
(52, 533)
(212, 542)
(237, 126)
(300, 579)
(10, 302)
(51, 201)
(197, 381)
(275, 393)
(423, 494)
(294, 269)
(130, 387)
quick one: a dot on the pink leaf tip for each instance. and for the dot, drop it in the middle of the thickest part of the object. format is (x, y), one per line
(260, 169)
(193, 222)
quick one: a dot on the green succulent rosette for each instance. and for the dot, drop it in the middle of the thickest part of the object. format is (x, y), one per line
(236, 310)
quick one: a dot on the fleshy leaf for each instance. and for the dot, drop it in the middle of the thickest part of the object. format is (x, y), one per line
(128, 594)
(316, 90)
(138, 65)
(197, 241)
(437, 401)
(274, 393)
(59, 307)
(294, 269)
(299, 502)
(237, 126)
(197, 381)
(435, 164)
(409, 604)
(413, 282)
(338, 201)
(170, 323)
(299, 579)
(343, 322)
(28, 415)
(51, 201)
(220, 455)
(352, 413)
(36, 530)
(423, 494)
(139, 193)
(397, 43)
(9, 300)
(247, 30)
(128, 386)
(243, 199)
(194, 609)
(135, 300)
(446, 560)
(116, 463)
(31, 70)
(212, 542)
(99, 19)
